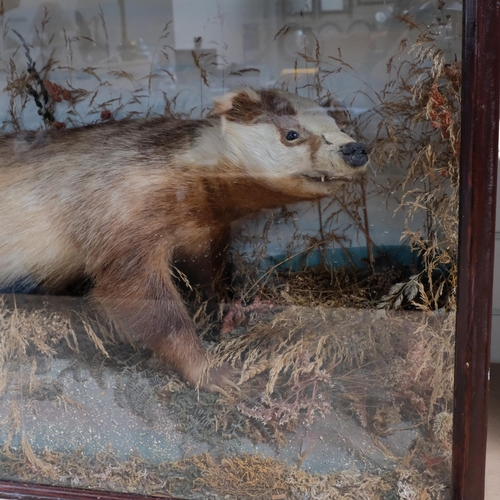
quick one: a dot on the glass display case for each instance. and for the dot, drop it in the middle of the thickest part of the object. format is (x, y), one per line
(246, 248)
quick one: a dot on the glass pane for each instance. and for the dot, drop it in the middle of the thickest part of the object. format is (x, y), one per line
(228, 240)
(329, 5)
(298, 6)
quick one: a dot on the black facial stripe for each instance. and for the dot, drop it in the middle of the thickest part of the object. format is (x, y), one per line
(290, 125)
(296, 142)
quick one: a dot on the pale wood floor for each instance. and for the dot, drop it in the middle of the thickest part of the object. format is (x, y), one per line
(493, 447)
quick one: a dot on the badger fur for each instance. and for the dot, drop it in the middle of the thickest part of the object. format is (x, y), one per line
(120, 203)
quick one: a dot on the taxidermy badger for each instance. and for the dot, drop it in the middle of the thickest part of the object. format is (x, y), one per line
(120, 203)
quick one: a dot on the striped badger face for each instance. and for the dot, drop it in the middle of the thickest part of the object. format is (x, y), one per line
(288, 141)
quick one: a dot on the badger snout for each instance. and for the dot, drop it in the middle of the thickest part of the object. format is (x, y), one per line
(354, 154)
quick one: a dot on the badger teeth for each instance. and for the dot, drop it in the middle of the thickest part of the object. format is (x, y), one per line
(322, 178)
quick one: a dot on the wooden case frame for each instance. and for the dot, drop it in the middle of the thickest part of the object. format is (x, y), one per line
(478, 170)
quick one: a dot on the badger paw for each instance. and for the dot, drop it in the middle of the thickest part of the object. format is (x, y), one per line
(219, 379)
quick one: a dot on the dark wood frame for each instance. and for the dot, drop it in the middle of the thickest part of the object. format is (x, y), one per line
(479, 162)
(478, 170)
(22, 491)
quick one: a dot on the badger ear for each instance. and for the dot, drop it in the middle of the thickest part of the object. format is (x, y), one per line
(235, 100)
(330, 103)
(223, 104)
(326, 102)
(337, 111)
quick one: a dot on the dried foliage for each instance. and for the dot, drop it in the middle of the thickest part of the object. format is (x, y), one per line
(27, 334)
(295, 362)
(246, 477)
(299, 361)
(419, 133)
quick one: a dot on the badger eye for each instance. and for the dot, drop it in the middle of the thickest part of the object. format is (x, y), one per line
(292, 135)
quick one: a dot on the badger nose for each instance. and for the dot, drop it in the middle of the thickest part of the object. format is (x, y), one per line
(354, 154)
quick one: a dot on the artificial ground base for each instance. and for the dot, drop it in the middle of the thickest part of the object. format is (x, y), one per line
(335, 403)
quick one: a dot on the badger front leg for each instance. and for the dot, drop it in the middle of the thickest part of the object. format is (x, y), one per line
(209, 271)
(139, 295)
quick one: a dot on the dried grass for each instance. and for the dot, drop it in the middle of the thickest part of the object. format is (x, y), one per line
(424, 97)
(26, 333)
(246, 477)
(298, 361)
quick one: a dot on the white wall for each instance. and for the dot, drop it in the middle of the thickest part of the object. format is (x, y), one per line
(495, 327)
(218, 23)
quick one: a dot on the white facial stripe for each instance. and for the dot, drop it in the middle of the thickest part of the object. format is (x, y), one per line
(260, 147)
(315, 118)
(322, 125)
(260, 151)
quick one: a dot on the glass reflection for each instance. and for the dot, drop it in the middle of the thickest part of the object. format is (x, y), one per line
(338, 316)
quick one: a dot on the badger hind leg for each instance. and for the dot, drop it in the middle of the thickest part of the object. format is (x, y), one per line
(138, 294)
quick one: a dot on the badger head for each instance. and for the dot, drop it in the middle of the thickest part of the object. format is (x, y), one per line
(288, 141)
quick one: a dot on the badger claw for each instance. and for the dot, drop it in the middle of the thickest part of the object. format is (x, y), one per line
(220, 390)
(219, 379)
(233, 385)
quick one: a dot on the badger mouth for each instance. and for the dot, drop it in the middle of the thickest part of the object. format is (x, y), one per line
(325, 177)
